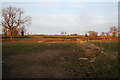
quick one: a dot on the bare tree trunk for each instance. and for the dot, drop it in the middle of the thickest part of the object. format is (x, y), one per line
(10, 37)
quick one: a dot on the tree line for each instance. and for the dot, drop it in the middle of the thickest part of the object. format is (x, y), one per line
(113, 31)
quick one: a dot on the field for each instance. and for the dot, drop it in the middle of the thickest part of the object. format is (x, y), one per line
(110, 46)
(66, 59)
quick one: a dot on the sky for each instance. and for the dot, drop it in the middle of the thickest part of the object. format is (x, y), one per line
(71, 17)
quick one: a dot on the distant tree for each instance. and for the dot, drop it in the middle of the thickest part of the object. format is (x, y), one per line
(13, 18)
(63, 33)
(113, 31)
(74, 34)
(86, 35)
(22, 33)
(93, 34)
(107, 34)
(103, 34)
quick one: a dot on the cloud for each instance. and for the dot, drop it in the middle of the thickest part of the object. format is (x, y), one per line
(54, 23)
(69, 23)
(55, 20)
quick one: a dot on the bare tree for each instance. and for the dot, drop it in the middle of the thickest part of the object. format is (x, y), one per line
(107, 34)
(103, 34)
(113, 31)
(86, 35)
(13, 18)
(63, 33)
(93, 34)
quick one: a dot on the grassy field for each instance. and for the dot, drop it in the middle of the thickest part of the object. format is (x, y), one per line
(56, 60)
(45, 37)
(108, 45)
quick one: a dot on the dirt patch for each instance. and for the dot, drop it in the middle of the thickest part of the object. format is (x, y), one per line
(35, 65)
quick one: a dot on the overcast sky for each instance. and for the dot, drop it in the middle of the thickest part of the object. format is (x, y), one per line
(71, 17)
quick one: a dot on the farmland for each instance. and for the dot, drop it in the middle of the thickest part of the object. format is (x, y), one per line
(58, 58)
(108, 45)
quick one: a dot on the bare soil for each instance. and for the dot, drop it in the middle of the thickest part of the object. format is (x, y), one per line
(36, 65)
